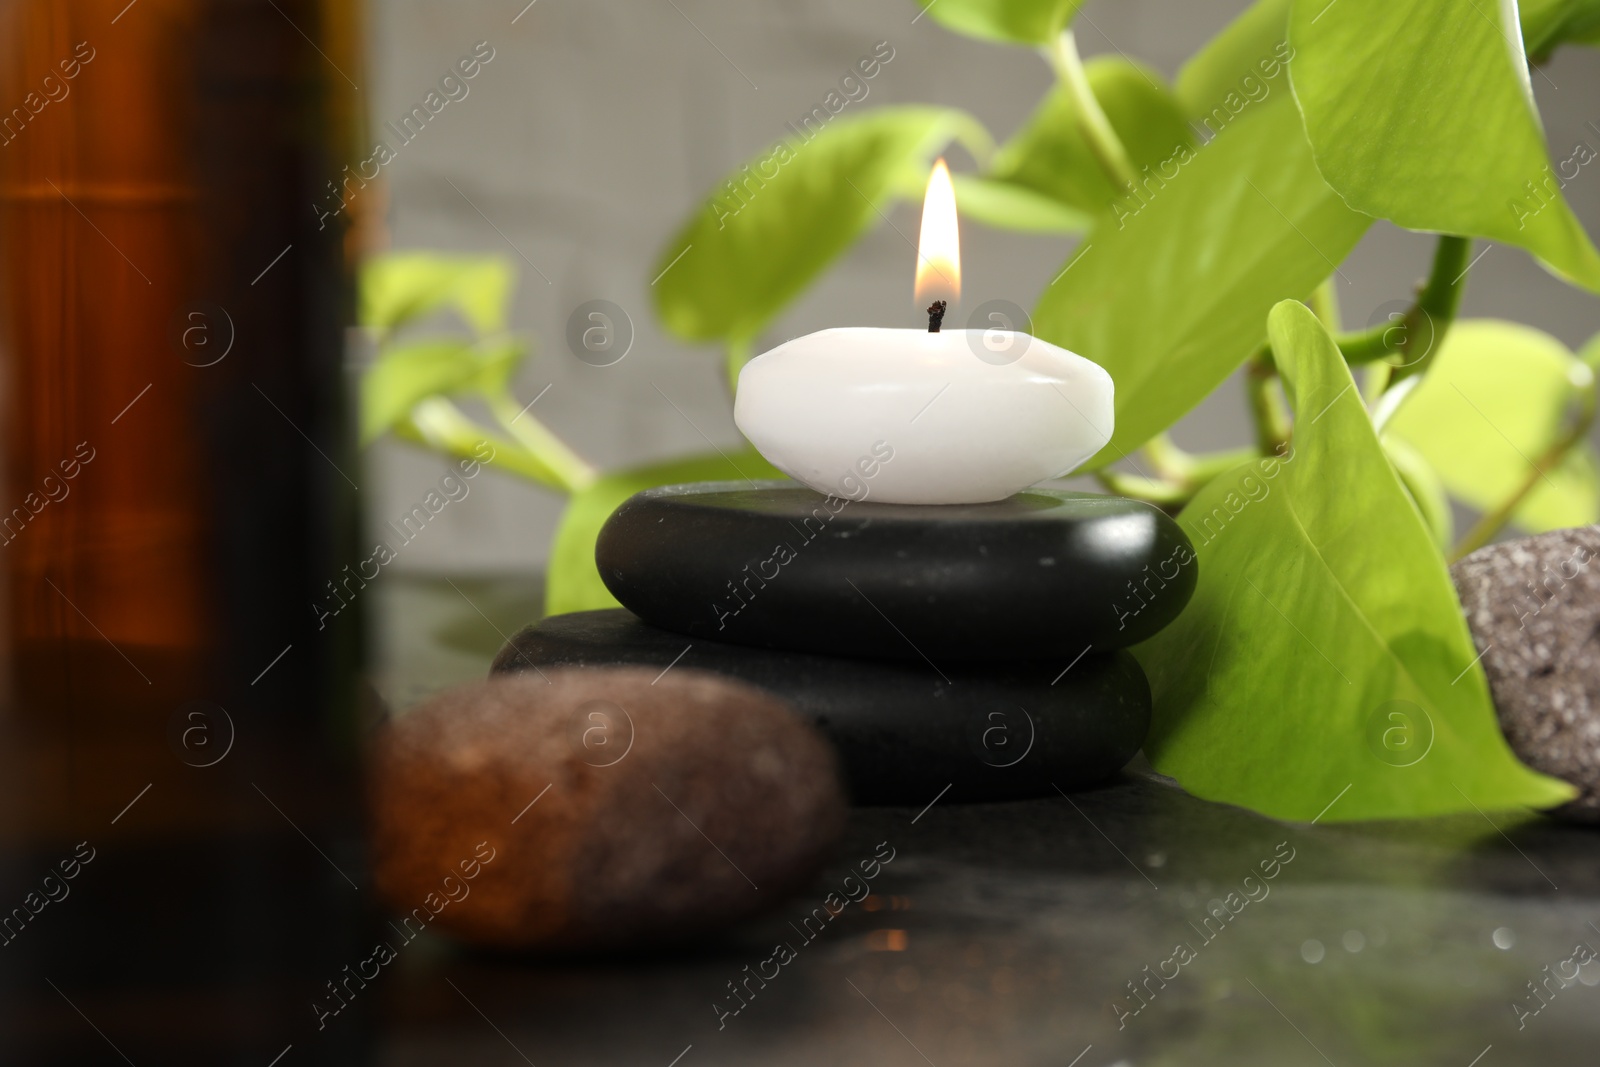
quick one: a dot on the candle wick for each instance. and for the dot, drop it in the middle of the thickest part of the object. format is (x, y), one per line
(936, 315)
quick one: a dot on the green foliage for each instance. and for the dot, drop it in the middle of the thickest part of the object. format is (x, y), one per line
(778, 221)
(398, 288)
(1324, 659)
(1170, 293)
(408, 388)
(1252, 46)
(1425, 488)
(1548, 23)
(1050, 154)
(1008, 21)
(1423, 113)
(410, 373)
(1014, 207)
(1496, 398)
(574, 583)
(1322, 602)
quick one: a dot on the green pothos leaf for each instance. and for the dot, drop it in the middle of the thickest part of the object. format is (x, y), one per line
(1034, 22)
(1548, 23)
(1425, 488)
(1051, 156)
(1323, 667)
(399, 287)
(406, 375)
(1169, 293)
(1497, 397)
(1228, 73)
(1014, 207)
(1422, 112)
(778, 221)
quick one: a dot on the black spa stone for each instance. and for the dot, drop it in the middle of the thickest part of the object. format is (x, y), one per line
(903, 731)
(1044, 574)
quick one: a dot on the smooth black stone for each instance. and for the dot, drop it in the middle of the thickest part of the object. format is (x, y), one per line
(1044, 574)
(904, 733)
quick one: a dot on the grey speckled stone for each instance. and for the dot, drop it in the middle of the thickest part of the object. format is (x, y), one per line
(1534, 604)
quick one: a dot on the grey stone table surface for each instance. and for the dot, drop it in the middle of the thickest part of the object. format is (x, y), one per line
(1077, 931)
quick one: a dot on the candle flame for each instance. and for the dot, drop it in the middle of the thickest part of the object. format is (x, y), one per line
(939, 243)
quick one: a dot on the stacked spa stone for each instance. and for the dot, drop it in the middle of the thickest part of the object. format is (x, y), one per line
(980, 647)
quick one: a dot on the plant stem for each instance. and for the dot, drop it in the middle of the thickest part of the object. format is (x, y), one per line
(1097, 129)
(1434, 309)
(1266, 404)
(572, 469)
(1375, 382)
(1325, 304)
(1151, 490)
(441, 425)
(1428, 319)
(1171, 463)
(1370, 345)
(1183, 474)
(1495, 520)
(1210, 465)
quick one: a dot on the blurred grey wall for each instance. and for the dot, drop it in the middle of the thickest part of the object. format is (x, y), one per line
(599, 125)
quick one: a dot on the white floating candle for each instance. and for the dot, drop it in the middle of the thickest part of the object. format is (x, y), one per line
(923, 417)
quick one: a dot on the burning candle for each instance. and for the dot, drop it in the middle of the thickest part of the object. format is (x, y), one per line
(931, 416)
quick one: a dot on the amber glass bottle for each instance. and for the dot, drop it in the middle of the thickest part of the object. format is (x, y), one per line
(177, 481)
(176, 491)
